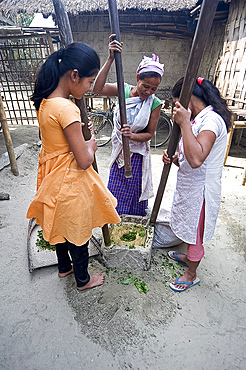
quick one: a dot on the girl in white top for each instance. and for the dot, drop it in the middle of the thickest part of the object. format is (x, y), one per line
(201, 156)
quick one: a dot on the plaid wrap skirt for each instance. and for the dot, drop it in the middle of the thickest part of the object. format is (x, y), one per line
(127, 191)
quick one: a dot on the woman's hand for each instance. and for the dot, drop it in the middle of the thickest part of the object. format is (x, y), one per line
(114, 46)
(101, 86)
(180, 115)
(126, 131)
(167, 160)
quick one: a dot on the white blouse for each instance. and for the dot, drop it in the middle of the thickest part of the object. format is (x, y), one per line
(196, 184)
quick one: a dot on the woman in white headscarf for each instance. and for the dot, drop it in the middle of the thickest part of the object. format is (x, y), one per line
(143, 112)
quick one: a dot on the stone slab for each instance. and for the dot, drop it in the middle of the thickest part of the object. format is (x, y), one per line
(38, 257)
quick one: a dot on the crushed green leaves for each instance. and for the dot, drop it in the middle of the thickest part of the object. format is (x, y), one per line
(43, 244)
(129, 237)
(140, 285)
(129, 234)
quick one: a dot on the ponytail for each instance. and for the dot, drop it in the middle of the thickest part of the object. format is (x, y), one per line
(77, 55)
(47, 80)
(209, 95)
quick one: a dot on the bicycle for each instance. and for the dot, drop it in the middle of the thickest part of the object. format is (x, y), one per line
(103, 127)
(163, 131)
(103, 124)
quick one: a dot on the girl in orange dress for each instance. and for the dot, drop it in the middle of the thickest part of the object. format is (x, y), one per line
(71, 198)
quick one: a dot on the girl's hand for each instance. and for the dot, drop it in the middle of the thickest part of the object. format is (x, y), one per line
(114, 46)
(165, 157)
(180, 114)
(90, 124)
(167, 160)
(92, 143)
(126, 131)
(176, 160)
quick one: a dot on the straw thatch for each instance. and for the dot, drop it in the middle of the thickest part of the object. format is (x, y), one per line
(75, 7)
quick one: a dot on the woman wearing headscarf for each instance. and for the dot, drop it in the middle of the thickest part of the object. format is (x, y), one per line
(143, 112)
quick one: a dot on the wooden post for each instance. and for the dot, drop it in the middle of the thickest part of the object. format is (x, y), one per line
(67, 38)
(229, 136)
(202, 32)
(114, 21)
(63, 23)
(244, 176)
(51, 46)
(8, 141)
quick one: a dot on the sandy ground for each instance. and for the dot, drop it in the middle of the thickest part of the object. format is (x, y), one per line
(47, 324)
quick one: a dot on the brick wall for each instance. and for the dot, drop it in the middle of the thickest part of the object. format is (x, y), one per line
(95, 30)
(174, 53)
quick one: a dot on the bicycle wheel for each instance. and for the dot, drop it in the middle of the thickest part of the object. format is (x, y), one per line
(163, 131)
(102, 128)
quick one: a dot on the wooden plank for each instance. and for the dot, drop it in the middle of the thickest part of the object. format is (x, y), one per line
(115, 29)
(202, 32)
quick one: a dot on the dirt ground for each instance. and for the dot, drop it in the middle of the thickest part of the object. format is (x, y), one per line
(47, 324)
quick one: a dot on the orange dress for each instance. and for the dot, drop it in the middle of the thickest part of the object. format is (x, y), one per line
(69, 202)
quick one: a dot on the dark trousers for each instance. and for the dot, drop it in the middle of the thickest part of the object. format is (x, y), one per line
(80, 259)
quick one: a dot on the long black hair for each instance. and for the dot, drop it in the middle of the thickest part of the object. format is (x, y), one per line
(209, 95)
(77, 55)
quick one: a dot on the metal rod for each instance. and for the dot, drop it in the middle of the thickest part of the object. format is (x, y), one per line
(202, 32)
(115, 29)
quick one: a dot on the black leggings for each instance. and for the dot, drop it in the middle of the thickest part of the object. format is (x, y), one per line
(80, 259)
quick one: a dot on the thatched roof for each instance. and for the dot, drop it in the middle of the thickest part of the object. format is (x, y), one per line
(75, 7)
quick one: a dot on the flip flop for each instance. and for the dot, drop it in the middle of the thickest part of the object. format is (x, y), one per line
(190, 285)
(176, 257)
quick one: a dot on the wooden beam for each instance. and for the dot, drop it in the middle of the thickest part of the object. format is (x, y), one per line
(202, 32)
(115, 29)
(63, 22)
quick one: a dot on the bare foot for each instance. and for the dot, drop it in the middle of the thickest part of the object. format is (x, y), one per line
(64, 274)
(95, 280)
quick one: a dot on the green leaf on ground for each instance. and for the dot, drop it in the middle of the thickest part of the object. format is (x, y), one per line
(127, 281)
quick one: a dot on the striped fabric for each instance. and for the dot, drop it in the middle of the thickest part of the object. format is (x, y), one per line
(128, 191)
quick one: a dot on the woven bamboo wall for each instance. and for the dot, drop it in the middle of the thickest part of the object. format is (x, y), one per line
(230, 74)
(20, 58)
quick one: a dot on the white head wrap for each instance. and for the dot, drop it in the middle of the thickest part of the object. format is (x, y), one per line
(151, 65)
